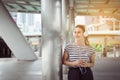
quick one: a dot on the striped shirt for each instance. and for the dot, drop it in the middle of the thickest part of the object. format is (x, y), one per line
(76, 52)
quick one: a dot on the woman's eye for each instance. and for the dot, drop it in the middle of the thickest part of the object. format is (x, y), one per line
(74, 32)
(77, 32)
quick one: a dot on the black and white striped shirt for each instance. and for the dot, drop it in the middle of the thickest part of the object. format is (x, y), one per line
(76, 52)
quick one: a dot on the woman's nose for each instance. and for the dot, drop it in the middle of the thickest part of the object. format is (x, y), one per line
(76, 34)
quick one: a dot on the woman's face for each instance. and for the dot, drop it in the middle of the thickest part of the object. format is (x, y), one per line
(78, 33)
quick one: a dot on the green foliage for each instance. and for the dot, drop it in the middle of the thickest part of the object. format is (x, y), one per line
(97, 47)
(110, 45)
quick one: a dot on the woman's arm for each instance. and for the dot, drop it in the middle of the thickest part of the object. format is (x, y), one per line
(92, 60)
(91, 63)
(68, 63)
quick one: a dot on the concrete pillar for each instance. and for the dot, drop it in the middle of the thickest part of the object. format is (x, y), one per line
(64, 29)
(104, 47)
(64, 20)
(51, 40)
(13, 36)
(71, 19)
(71, 23)
(114, 51)
(114, 26)
(119, 25)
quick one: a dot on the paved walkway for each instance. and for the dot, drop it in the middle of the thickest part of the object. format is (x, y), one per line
(107, 69)
(12, 69)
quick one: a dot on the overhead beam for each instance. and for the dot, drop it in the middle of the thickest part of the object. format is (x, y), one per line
(115, 11)
(94, 7)
(78, 5)
(104, 33)
(21, 4)
(97, 14)
(20, 0)
(107, 1)
(24, 10)
(90, 1)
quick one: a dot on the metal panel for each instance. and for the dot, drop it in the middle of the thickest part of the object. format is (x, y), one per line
(13, 37)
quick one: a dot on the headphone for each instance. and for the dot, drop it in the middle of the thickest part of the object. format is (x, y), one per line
(85, 34)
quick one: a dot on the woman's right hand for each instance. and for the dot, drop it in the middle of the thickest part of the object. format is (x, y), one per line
(77, 63)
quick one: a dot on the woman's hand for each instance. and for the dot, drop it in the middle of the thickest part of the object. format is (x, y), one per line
(77, 63)
(89, 64)
(85, 64)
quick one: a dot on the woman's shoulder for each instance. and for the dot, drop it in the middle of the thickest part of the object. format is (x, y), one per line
(90, 47)
(70, 44)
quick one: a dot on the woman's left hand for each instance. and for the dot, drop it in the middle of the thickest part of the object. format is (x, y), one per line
(85, 64)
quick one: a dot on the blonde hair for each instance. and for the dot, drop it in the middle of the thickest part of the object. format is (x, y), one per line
(83, 29)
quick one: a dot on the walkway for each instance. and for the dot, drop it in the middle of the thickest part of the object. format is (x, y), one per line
(13, 69)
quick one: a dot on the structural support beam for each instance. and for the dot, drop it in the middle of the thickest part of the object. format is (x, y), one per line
(98, 14)
(13, 36)
(64, 20)
(98, 5)
(104, 46)
(65, 29)
(51, 40)
(71, 23)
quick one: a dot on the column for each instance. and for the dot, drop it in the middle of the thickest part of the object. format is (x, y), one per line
(114, 26)
(119, 25)
(71, 20)
(104, 47)
(51, 40)
(64, 31)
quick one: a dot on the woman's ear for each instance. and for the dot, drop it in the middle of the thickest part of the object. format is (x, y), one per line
(85, 34)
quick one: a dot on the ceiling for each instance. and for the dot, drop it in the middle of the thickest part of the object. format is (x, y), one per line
(81, 7)
(29, 6)
(97, 7)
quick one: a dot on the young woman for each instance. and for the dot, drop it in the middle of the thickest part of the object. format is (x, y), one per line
(79, 56)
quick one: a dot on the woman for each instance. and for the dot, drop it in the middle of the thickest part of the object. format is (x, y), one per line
(79, 56)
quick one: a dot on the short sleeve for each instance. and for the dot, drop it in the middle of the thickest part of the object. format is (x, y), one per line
(66, 48)
(91, 51)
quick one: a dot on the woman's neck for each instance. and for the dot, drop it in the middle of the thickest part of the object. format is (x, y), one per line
(80, 42)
